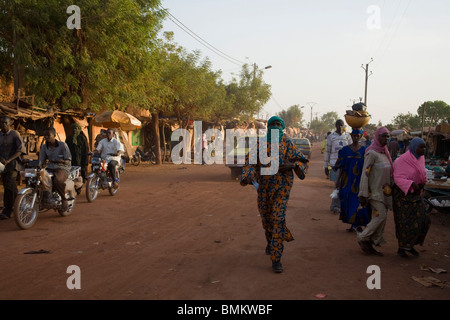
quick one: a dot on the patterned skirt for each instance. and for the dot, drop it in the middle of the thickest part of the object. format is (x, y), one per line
(410, 217)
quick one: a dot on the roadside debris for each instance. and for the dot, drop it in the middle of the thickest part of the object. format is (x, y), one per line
(431, 281)
(37, 252)
(435, 270)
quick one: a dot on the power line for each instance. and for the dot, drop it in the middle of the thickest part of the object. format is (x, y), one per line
(394, 33)
(203, 42)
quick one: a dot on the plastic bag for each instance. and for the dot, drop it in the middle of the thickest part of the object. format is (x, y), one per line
(335, 194)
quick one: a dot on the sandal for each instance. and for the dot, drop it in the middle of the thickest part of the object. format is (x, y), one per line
(277, 267)
(402, 253)
(413, 252)
(364, 246)
(373, 251)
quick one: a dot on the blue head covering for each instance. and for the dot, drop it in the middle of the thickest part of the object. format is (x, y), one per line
(357, 131)
(280, 130)
(414, 144)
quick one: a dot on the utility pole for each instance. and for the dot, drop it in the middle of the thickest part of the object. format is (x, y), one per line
(366, 69)
(311, 105)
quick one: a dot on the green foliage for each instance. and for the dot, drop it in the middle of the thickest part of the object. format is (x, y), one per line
(116, 61)
(249, 94)
(94, 67)
(326, 123)
(406, 121)
(438, 108)
(293, 116)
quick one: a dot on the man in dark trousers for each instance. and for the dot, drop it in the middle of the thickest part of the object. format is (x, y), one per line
(11, 148)
(78, 146)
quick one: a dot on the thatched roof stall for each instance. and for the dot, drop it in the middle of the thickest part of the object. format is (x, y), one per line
(30, 121)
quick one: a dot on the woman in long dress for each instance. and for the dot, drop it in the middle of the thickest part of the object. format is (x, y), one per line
(274, 190)
(411, 220)
(376, 189)
(350, 162)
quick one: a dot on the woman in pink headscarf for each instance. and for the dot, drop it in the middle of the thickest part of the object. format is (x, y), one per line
(411, 220)
(376, 189)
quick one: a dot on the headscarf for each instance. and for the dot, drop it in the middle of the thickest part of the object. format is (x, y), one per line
(410, 167)
(357, 131)
(414, 144)
(77, 133)
(269, 131)
(378, 147)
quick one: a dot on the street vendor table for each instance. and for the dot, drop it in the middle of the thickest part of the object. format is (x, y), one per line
(438, 188)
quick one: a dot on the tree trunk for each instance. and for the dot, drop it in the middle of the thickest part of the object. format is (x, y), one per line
(164, 142)
(19, 71)
(155, 129)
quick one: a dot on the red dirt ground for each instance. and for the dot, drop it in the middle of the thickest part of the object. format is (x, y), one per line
(189, 232)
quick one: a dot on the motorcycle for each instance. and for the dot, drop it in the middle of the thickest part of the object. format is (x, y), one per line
(100, 178)
(140, 156)
(30, 201)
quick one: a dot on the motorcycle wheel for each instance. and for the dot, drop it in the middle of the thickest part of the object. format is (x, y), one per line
(92, 188)
(113, 191)
(153, 158)
(135, 160)
(70, 208)
(25, 216)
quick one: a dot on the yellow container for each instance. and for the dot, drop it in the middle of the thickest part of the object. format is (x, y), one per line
(356, 122)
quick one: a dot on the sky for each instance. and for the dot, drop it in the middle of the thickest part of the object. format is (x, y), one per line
(317, 50)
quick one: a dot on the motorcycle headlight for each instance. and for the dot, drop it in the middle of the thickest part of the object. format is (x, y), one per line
(30, 173)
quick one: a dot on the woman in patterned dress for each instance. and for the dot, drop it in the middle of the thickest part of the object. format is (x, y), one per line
(411, 220)
(273, 190)
(350, 162)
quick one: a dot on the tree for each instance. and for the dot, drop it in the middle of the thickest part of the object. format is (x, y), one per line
(195, 90)
(330, 119)
(249, 94)
(326, 123)
(93, 67)
(439, 108)
(407, 121)
(293, 116)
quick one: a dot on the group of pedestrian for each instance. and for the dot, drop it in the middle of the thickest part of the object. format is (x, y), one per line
(367, 180)
(57, 156)
(370, 184)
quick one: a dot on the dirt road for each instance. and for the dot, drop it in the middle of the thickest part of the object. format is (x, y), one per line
(190, 232)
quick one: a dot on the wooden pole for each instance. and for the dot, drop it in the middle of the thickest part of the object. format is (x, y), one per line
(423, 118)
(429, 130)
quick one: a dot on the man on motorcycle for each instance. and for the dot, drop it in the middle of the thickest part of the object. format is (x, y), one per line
(59, 163)
(111, 150)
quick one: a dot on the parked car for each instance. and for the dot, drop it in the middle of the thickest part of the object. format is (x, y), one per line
(304, 145)
(241, 151)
